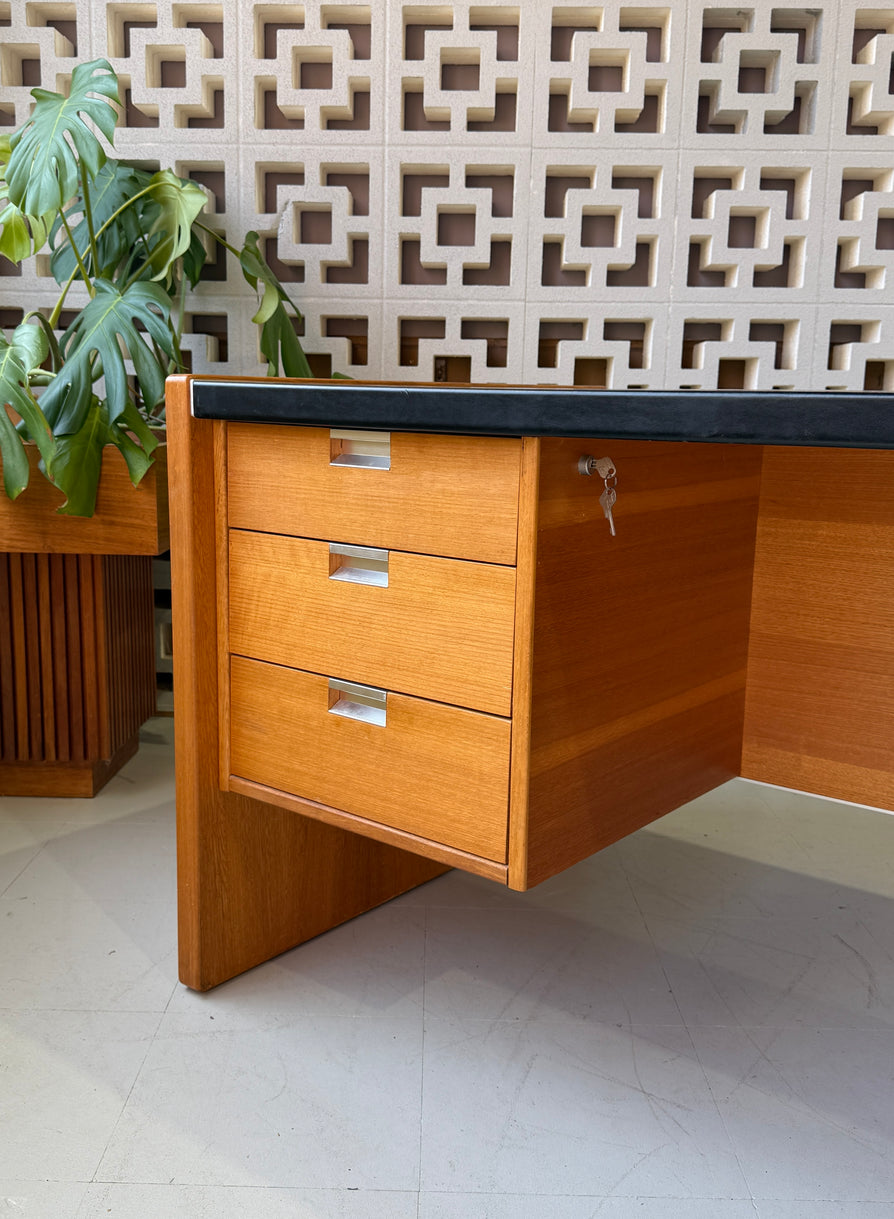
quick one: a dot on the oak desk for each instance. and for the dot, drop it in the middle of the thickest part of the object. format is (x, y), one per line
(406, 639)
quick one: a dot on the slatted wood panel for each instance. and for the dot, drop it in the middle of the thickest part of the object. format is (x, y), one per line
(129, 635)
(76, 668)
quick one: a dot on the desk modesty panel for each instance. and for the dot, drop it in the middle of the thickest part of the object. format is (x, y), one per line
(401, 648)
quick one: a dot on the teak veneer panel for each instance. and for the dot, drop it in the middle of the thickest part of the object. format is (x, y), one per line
(451, 856)
(128, 520)
(431, 770)
(253, 879)
(443, 495)
(639, 642)
(441, 629)
(820, 700)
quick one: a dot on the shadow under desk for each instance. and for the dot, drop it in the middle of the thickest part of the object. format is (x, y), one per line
(407, 639)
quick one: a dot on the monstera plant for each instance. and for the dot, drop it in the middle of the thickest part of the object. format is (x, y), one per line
(125, 246)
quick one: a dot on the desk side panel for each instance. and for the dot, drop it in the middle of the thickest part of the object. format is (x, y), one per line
(820, 695)
(253, 879)
(640, 640)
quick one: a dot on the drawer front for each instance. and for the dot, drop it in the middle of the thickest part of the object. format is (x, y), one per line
(436, 771)
(444, 495)
(440, 628)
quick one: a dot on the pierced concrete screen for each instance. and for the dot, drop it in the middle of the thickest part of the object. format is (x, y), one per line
(619, 194)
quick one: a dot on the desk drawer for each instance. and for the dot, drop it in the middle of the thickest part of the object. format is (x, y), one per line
(445, 495)
(436, 771)
(440, 628)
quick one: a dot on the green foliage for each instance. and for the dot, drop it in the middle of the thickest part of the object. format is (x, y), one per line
(20, 235)
(56, 146)
(136, 241)
(111, 193)
(177, 204)
(19, 358)
(279, 343)
(106, 326)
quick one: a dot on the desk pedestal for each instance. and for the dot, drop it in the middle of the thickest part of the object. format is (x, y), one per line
(640, 672)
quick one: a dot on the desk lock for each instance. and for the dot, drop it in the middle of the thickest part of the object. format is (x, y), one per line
(605, 468)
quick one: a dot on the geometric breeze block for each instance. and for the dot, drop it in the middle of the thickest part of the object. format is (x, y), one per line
(620, 193)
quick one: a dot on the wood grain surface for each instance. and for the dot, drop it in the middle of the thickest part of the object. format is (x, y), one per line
(523, 659)
(443, 495)
(432, 770)
(640, 640)
(442, 628)
(253, 879)
(820, 698)
(128, 520)
(427, 847)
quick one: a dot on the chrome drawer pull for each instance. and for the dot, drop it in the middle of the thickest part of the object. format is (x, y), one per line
(354, 702)
(369, 450)
(358, 564)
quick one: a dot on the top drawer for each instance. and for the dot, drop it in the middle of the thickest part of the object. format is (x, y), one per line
(444, 495)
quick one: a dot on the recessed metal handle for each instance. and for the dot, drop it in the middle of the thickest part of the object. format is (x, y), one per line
(355, 702)
(358, 564)
(361, 449)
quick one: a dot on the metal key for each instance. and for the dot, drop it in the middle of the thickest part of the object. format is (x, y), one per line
(607, 500)
(605, 468)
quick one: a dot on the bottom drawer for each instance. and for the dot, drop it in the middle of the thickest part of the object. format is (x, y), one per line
(437, 771)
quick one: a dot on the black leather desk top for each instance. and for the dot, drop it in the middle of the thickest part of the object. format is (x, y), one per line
(839, 420)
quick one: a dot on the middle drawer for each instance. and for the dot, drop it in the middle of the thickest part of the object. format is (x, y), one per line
(439, 628)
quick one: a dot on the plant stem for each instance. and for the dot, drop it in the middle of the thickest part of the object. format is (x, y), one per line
(71, 241)
(88, 217)
(217, 237)
(57, 308)
(138, 274)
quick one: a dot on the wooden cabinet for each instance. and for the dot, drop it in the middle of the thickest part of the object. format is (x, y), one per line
(77, 663)
(398, 653)
(516, 660)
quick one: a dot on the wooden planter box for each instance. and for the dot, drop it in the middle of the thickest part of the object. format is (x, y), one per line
(128, 520)
(77, 655)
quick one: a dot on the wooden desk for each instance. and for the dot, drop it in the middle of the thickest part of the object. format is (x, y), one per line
(533, 688)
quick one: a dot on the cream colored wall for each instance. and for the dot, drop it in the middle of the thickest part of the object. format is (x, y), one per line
(629, 194)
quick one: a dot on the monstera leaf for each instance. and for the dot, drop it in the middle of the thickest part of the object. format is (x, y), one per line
(179, 202)
(137, 218)
(194, 259)
(279, 343)
(20, 235)
(137, 453)
(42, 174)
(77, 462)
(96, 341)
(19, 357)
(112, 194)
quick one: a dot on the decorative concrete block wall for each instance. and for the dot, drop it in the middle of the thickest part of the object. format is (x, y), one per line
(619, 194)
